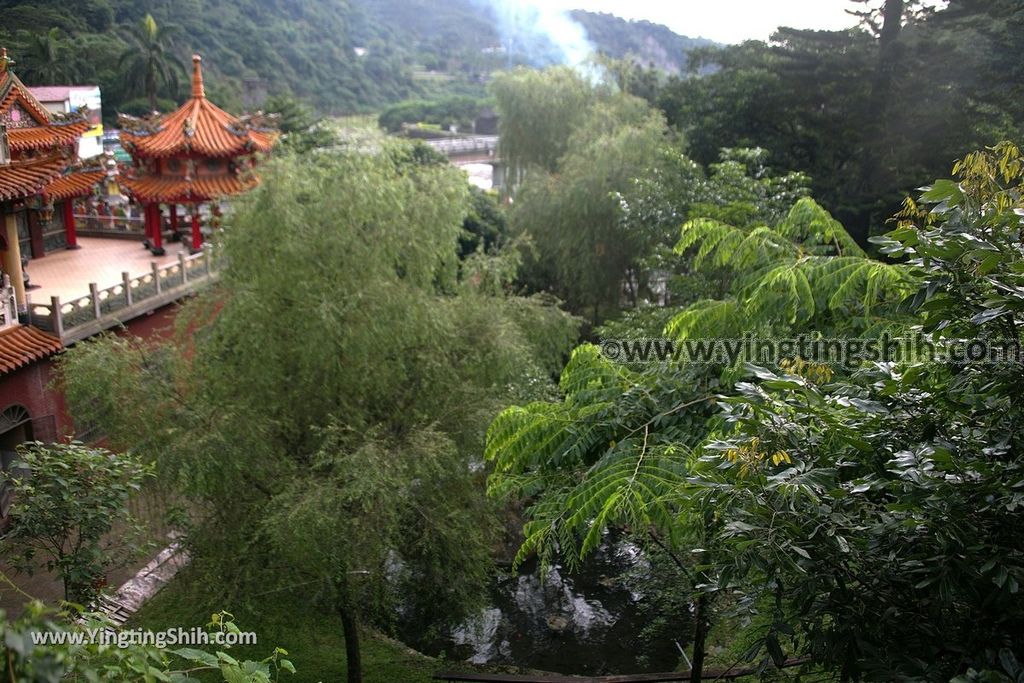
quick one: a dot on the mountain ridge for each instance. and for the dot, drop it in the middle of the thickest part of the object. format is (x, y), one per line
(339, 56)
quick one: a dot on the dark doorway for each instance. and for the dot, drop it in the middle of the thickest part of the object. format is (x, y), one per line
(15, 429)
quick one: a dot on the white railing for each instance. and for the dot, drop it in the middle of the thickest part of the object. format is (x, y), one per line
(465, 145)
(116, 225)
(102, 309)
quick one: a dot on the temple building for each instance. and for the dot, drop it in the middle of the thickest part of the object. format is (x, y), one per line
(95, 276)
(38, 177)
(36, 150)
(192, 156)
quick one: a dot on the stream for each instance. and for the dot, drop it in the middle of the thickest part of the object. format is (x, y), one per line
(586, 623)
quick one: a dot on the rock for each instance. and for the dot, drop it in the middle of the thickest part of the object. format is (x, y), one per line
(557, 623)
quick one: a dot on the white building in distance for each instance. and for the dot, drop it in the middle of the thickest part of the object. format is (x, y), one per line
(61, 99)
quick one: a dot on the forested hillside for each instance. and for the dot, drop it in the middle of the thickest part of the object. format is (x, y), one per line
(642, 41)
(338, 56)
(303, 48)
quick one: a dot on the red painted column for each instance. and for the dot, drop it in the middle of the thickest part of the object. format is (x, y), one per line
(197, 235)
(147, 225)
(70, 234)
(174, 217)
(158, 237)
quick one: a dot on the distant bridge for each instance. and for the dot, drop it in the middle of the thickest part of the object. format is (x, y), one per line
(473, 149)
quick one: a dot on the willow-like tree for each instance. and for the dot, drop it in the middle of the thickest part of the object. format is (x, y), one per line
(324, 406)
(568, 201)
(539, 112)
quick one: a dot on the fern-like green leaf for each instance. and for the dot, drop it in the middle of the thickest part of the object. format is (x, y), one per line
(815, 228)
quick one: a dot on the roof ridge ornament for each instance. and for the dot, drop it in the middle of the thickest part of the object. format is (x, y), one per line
(198, 91)
(5, 61)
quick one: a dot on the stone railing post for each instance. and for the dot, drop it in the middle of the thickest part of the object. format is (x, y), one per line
(56, 317)
(10, 303)
(94, 293)
(181, 265)
(156, 275)
(126, 283)
(208, 260)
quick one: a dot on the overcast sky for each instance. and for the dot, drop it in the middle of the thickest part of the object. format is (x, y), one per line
(726, 21)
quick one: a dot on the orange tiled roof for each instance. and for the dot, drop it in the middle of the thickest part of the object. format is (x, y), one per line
(51, 135)
(176, 189)
(198, 127)
(27, 177)
(12, 91)
(75, 184)
(24, 344)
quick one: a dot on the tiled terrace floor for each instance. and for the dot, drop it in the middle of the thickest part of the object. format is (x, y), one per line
(67, 273)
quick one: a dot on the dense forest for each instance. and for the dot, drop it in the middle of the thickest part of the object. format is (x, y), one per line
(867, 113)
(308, 50)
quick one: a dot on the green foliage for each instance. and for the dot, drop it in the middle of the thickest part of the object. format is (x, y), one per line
(27, 661)
(281, 616)
(301, 132)
(575, 166)
(68, 500)
(149, 65)
(805, 274)
(485, 228)
(865, 117)
(306, 50)
(141, 106)
(48, 58)
(817, 501)
(407, 49)
(332, 406)
(738, 191)
(401, 527)
(539, 112)
(456, 111)
(907, 473)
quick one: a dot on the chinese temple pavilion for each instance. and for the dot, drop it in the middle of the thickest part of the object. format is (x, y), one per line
(37, 157)
(194, 155)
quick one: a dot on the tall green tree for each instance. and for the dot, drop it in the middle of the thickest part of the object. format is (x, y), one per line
(584, 252)
(618, 445)
(864, 113)
(859, 514)
(48, 59)
(331, 408)
(149, 64)
(883, 542)
(539, 112)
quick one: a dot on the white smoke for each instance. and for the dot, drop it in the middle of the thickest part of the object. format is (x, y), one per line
(539, 32)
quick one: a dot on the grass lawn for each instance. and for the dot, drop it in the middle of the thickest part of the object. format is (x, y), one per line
(313, 639)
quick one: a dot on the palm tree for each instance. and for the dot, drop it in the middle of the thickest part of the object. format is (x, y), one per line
(148, 64)
(48, 59)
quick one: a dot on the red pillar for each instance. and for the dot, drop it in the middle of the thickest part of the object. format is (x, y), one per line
(153, 218)
(174, 217)
(70, 233)
(197, 236)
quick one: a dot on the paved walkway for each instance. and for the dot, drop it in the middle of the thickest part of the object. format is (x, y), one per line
(67, 273)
